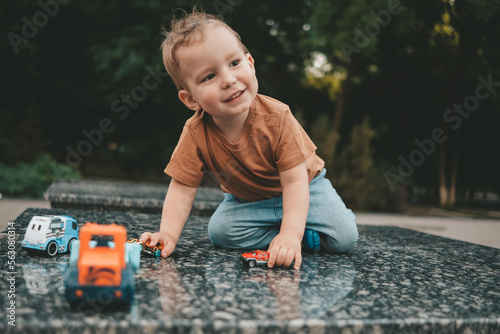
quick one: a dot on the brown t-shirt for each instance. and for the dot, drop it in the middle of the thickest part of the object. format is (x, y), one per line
(272, 141)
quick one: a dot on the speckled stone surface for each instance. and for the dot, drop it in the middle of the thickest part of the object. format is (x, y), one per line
(126, 196)
(394, 281)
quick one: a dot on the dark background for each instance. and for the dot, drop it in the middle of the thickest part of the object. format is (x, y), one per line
(85, 94)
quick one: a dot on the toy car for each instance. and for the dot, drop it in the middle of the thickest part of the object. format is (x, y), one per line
(50, 235)
(102, 267)
(257, 257)
(153, 251)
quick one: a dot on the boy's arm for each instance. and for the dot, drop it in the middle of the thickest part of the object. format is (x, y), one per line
(286, 246)
(176, 209)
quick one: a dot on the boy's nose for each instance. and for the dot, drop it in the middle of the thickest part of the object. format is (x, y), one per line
(228, 80)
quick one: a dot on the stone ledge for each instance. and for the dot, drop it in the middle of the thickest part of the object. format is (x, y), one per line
(123, 196)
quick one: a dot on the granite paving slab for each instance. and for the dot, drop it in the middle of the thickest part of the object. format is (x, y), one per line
(123, 196)
(394, 281)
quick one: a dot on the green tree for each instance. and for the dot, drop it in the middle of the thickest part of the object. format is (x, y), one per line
(356, 177)
(408, 63)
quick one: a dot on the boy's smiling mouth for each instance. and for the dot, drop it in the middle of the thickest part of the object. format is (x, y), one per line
(235, 96)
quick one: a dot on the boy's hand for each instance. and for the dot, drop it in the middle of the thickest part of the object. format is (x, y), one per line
(283, 250)
(154, 238)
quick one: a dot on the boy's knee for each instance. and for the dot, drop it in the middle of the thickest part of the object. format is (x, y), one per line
(345, 238)
(216, 232)
(347, 241)
(221, 232)
(350, 235)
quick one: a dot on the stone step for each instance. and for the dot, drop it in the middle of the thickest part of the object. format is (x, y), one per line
(123, 196)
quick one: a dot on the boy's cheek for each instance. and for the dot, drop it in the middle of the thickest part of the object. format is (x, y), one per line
(209, 98)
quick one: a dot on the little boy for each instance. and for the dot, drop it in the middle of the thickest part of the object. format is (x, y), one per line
(275, 191)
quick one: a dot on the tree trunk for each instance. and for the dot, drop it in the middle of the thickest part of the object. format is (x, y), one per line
(443, 189)
(466, 48)
(454, 171)
(342, 105)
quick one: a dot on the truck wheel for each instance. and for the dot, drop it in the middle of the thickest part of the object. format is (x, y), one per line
(70, 245)
(52, 248)
(252, 263)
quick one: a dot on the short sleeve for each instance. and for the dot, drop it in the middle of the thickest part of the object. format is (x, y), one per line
(186, 164)
(294, 145)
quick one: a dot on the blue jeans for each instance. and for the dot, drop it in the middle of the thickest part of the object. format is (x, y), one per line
(239, 224)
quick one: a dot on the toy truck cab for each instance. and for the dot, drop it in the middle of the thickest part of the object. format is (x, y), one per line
(102, 268)
(102, 262)
(50, 234)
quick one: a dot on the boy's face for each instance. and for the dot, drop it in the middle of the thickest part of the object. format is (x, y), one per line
(219, 76)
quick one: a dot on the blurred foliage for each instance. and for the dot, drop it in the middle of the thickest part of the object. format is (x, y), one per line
(401, 63)
(31, 180)
(355, 175)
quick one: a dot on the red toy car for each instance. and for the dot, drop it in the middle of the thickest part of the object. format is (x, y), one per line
(257, 257)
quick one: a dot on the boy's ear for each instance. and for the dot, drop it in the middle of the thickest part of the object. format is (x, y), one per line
(251, 60)
(188, 100)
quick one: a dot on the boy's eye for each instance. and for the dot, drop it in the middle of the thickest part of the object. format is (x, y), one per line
(234, 63)
(208, 77)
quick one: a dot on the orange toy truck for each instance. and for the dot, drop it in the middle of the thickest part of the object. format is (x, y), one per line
(102, 267)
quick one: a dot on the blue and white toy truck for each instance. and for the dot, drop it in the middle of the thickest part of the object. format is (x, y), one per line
(50, 235)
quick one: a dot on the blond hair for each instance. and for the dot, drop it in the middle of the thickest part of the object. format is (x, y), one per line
(183, 31)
